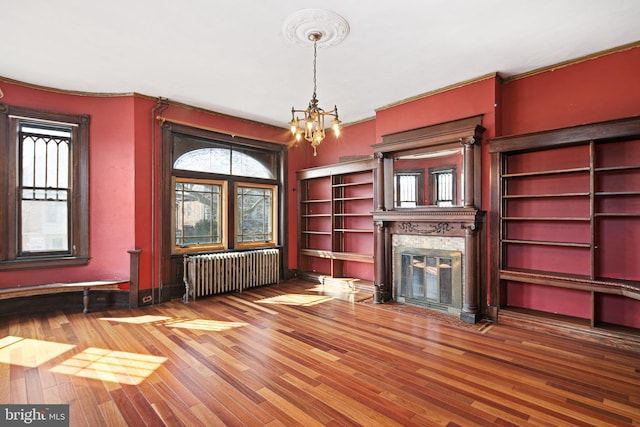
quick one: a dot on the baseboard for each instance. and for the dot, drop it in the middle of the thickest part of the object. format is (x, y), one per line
(565, 326)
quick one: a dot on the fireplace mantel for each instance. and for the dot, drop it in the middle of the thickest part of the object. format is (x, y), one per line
(464, 221)
(430, 222)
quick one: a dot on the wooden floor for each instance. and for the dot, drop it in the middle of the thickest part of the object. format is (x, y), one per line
(294, 355)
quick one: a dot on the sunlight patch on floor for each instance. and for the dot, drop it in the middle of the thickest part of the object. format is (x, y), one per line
(111, 366)
(177, 322)
(204, 324)
(28, 352)
(139, 320)
(296, 299)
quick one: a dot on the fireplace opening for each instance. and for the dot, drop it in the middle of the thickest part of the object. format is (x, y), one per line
(429, 278)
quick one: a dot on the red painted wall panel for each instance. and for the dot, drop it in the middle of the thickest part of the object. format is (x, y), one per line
(618, 310)
(111, 196)
(595, 90)
(569, 302)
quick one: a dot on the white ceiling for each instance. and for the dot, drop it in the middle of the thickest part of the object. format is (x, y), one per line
(232, 57)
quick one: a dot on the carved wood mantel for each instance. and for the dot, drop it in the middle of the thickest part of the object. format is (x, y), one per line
(463, 221)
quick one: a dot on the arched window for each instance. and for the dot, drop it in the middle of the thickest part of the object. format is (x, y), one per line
(224, 161)
(225, 192)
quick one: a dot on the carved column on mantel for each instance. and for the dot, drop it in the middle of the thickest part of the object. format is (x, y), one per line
(379, 285)
(469, 162)
(379, 181)
(470, 310)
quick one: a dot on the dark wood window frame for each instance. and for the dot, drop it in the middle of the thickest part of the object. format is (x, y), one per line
(79, 189)
(171, 263)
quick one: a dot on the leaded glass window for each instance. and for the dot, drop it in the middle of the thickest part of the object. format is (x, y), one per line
(255, 219)
(44, 188)
(199, 214)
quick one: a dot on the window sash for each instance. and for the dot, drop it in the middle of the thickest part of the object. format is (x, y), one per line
(199, 214)
(44, 227)
(256, 203)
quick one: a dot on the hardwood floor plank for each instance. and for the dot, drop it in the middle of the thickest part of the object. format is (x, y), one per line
(257, 358)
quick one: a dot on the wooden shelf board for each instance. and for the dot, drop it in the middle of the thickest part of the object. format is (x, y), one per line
(353, 198)
(617, 214)
(344, 256)
(523, 218)
(316, 201)
(547, 243)
(316, 216)
(323, 233)
(618, 193)
(534, 196)
(616, 168)
(549, 172)
(352, 230)
(352, 184)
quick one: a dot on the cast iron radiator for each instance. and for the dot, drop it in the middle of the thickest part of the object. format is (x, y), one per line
(210, 274)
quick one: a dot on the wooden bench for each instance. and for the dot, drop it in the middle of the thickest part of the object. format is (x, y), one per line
(52, 288)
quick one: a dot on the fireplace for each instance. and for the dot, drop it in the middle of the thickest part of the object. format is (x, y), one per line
(429, 278)
(427, 252)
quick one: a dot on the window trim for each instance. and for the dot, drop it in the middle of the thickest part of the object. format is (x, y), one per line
(79, 184)
(274, 216)
(434, 192)
(419, 175)
(222, 223)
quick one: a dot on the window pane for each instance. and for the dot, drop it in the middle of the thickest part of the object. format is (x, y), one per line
(211, 160)
(253, 163)
(44, 226)
(198, 213)
(255, 214)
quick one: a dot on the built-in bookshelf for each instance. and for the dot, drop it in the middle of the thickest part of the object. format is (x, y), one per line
(335, 225)
(566, 208)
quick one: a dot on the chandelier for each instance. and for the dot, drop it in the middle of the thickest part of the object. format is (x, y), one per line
(310, 124)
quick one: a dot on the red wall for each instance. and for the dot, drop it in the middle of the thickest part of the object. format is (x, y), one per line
(120, 191)
(600, 89)
(111, 200)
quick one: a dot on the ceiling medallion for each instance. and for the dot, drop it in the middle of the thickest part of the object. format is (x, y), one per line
(299, 27)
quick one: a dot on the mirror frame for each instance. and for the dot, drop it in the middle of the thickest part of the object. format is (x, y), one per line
(465, 133)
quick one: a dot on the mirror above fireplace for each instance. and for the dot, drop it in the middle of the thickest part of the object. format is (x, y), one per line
(432, 178)
(434, 166)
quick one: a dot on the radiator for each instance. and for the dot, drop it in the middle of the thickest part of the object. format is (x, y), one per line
(210, 274)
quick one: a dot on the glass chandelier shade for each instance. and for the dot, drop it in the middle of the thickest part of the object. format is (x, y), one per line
(311, 122)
